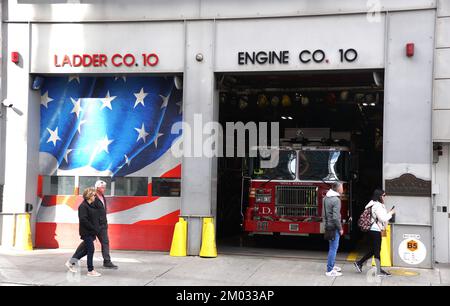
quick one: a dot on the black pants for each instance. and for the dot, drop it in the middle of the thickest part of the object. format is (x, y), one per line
(89, 251)
(104, 240)
(374, 247)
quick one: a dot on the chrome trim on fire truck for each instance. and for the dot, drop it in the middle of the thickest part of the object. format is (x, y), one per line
(296, 201)
(296, 211)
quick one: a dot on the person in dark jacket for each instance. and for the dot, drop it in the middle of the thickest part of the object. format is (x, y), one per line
(332, 207)
(102, 235)
(89, 216)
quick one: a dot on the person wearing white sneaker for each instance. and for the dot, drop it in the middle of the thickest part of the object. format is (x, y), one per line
(333, 226)
(71, 266)
(333, 273)
(88, 214)
(93, 273)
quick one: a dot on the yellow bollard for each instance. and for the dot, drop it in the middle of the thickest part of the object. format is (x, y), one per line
(208, 248)
(23, 239)
(385, 254)
(179, 241)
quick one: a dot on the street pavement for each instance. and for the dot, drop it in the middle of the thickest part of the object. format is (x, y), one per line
(233, 267)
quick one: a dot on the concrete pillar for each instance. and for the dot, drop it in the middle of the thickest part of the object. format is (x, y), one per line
(22, 132)
(407, 124)
(199, 173)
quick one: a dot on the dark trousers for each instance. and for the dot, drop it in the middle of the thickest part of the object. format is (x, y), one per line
(374, 247)
(104, 241)
(88, 249)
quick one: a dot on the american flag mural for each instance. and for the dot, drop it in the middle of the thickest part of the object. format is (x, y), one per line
(114, 127)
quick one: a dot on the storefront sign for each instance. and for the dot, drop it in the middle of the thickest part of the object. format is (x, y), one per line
(283, 57)
(103, 60)
(412, 251)
(293, 44)
(118, 48)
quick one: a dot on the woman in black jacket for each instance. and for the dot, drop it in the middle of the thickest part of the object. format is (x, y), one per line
(88, 214)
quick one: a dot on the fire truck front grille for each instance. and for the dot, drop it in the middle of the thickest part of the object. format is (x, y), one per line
(296, 201)
(296, 211)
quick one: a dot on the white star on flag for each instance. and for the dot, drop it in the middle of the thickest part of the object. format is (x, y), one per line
(107, 101)
(74, 77)
(165, 101)
(79, 125)
(76, 107)
(45, 100)
(53, 136)
(140, 96)
(156, 139)
(142, 133)
(104, 143)
(127, 161)
(66, 156)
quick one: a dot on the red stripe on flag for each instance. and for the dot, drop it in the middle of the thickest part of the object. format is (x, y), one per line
(151, 235)
(39, 186)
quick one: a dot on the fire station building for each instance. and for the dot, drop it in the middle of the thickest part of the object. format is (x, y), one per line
(95, 90)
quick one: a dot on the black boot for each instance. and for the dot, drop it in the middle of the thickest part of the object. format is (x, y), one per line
(385, 273)
(109, 265)
(358, 266)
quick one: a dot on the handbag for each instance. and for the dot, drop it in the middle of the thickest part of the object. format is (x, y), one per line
(330, 234)
(330, 231)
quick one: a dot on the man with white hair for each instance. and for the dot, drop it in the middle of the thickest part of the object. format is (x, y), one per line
(102, 235)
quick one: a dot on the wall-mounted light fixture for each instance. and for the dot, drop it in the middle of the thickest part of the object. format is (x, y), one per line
(6, 104)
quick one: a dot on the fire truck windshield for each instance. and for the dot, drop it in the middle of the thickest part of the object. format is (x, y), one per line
(284, 170)
(323, 165)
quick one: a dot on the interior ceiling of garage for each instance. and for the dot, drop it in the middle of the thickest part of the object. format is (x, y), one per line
(302, 80)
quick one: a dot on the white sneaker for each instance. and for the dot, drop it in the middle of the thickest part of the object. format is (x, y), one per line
(333, 273)
(93, 273)
(337, 269)
(71, 267)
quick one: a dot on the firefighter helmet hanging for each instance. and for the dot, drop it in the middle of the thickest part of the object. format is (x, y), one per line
(286, 101)
(262, 101)
(275, 101)
(243, 102)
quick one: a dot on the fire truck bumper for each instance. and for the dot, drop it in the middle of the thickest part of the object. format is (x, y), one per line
(282, 227)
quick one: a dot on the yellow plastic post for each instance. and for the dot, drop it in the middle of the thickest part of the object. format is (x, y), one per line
(179, 241)
(208, 248)
(23, 239)
(385, 254)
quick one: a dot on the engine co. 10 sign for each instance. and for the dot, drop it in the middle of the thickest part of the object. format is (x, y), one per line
(305, 56)
(103, 60)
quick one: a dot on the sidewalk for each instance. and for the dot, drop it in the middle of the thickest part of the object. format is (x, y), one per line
(46, 267)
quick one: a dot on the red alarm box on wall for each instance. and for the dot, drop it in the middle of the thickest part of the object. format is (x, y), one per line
(15, 57)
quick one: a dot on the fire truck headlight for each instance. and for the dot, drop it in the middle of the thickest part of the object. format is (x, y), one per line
(263, 198)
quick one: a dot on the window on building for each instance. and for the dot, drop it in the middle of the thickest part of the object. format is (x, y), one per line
(131, 186)
(166, 187)
(58, 185)
(89, 181)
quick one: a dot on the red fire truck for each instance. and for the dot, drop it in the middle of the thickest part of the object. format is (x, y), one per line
(288, 198)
